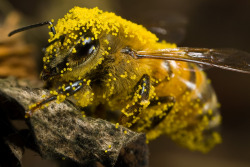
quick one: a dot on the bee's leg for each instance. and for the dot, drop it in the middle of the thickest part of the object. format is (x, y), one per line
(154, 121)
(141, 89)
(67, 91)
(170, 101)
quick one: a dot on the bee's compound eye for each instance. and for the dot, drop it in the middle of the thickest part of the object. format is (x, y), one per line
(85, 48)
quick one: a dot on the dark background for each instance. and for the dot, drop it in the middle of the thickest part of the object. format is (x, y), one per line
(202, 23)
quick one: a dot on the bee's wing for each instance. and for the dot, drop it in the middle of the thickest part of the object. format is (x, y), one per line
(169, 26)
(229, 59)
(172, 33)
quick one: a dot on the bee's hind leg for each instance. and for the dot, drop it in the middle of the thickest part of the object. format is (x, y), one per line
(67, 91)
(156, 120)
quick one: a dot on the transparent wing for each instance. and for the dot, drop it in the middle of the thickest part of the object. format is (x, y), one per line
(166, 25)
(229, 59)
(171, 33)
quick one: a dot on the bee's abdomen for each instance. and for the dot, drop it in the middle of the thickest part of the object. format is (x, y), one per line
(194, 119)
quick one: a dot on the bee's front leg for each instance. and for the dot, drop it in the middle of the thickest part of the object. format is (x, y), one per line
(66, 91)
(142, 90)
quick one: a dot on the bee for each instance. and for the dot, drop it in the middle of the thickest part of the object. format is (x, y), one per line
(117, 70)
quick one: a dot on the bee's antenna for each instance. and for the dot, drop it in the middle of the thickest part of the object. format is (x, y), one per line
(52, 28)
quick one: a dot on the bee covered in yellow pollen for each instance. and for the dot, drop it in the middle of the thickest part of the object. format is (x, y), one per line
(110, 66)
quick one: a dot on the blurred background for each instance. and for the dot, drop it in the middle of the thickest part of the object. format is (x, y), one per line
(191, 23)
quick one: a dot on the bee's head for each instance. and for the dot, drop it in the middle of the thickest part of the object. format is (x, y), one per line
(77, 47)
(69, 52)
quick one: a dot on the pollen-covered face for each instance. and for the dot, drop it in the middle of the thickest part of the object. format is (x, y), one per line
(66, 53)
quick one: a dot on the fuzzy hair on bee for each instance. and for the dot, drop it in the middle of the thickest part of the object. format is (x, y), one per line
(119, 71)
